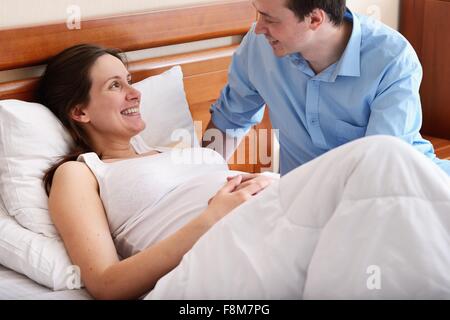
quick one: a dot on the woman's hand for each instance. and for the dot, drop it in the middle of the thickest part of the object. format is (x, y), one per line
(237, 190)
(252, 178)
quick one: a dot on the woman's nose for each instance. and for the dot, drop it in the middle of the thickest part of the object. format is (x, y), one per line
(133, 93)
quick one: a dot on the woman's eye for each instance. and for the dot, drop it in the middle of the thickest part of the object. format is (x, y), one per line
(115, 84)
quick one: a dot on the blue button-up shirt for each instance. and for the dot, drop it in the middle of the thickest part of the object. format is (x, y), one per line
(373, 89)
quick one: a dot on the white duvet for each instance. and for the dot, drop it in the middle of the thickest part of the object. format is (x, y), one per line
(369, 220)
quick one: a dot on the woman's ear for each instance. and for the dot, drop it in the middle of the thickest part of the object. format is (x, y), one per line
(78, 114)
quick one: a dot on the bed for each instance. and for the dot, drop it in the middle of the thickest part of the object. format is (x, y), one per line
(204, 71)
(15, 286)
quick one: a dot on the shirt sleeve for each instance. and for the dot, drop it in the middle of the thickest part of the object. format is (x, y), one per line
(239, 106)
(396, 109)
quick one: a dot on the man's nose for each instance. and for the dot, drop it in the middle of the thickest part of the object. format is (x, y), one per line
(260, 28)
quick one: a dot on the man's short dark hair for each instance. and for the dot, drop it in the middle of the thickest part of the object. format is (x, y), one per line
(334, 8)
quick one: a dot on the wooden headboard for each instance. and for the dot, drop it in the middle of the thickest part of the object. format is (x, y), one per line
(205, 71)
(425, 24)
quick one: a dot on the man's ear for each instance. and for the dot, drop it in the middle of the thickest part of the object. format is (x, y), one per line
(79, 114)
(316, 18)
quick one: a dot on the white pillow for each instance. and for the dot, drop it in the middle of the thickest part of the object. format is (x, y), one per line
(31, 138)
(41, 258)
(165, 110)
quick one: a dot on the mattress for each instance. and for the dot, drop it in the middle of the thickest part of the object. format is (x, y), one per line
(14, 286)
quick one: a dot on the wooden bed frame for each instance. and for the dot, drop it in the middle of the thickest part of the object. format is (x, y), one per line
(205, 71)
(425, 24)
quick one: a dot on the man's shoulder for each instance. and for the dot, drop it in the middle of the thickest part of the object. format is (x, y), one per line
(380, 40)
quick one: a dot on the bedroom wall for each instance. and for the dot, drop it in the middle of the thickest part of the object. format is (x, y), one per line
(25, 12)
(17, 13)
(387, 11)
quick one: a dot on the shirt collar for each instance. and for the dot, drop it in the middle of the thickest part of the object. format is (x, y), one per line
(350, 62)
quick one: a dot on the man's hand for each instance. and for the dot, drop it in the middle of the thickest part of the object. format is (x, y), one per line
(215, 139)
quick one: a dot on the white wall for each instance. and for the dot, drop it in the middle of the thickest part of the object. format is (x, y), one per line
(25, 12)
(387, 11)
(16, 13)
(28, 12)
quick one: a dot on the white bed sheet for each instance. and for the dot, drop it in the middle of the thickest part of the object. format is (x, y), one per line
(14, 286)
(368, 220)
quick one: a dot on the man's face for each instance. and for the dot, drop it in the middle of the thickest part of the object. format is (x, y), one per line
(281, 27)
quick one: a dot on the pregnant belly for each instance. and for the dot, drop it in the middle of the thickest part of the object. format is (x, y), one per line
(173, 211)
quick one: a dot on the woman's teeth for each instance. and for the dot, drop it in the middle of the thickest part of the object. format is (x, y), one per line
(130, 111)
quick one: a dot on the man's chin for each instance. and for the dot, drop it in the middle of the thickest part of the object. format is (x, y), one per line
(279, 53)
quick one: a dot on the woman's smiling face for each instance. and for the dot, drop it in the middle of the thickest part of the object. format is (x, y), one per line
(114, 105)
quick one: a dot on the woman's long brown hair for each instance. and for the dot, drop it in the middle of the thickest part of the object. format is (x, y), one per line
(65, 84)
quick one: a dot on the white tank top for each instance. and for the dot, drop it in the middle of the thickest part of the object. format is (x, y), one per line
(148, 198)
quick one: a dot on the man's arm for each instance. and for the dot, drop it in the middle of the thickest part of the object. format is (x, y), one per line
(396, 110)
(239, 106)
(219, 141)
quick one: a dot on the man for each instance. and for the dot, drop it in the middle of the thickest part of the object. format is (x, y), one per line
(327, 75)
